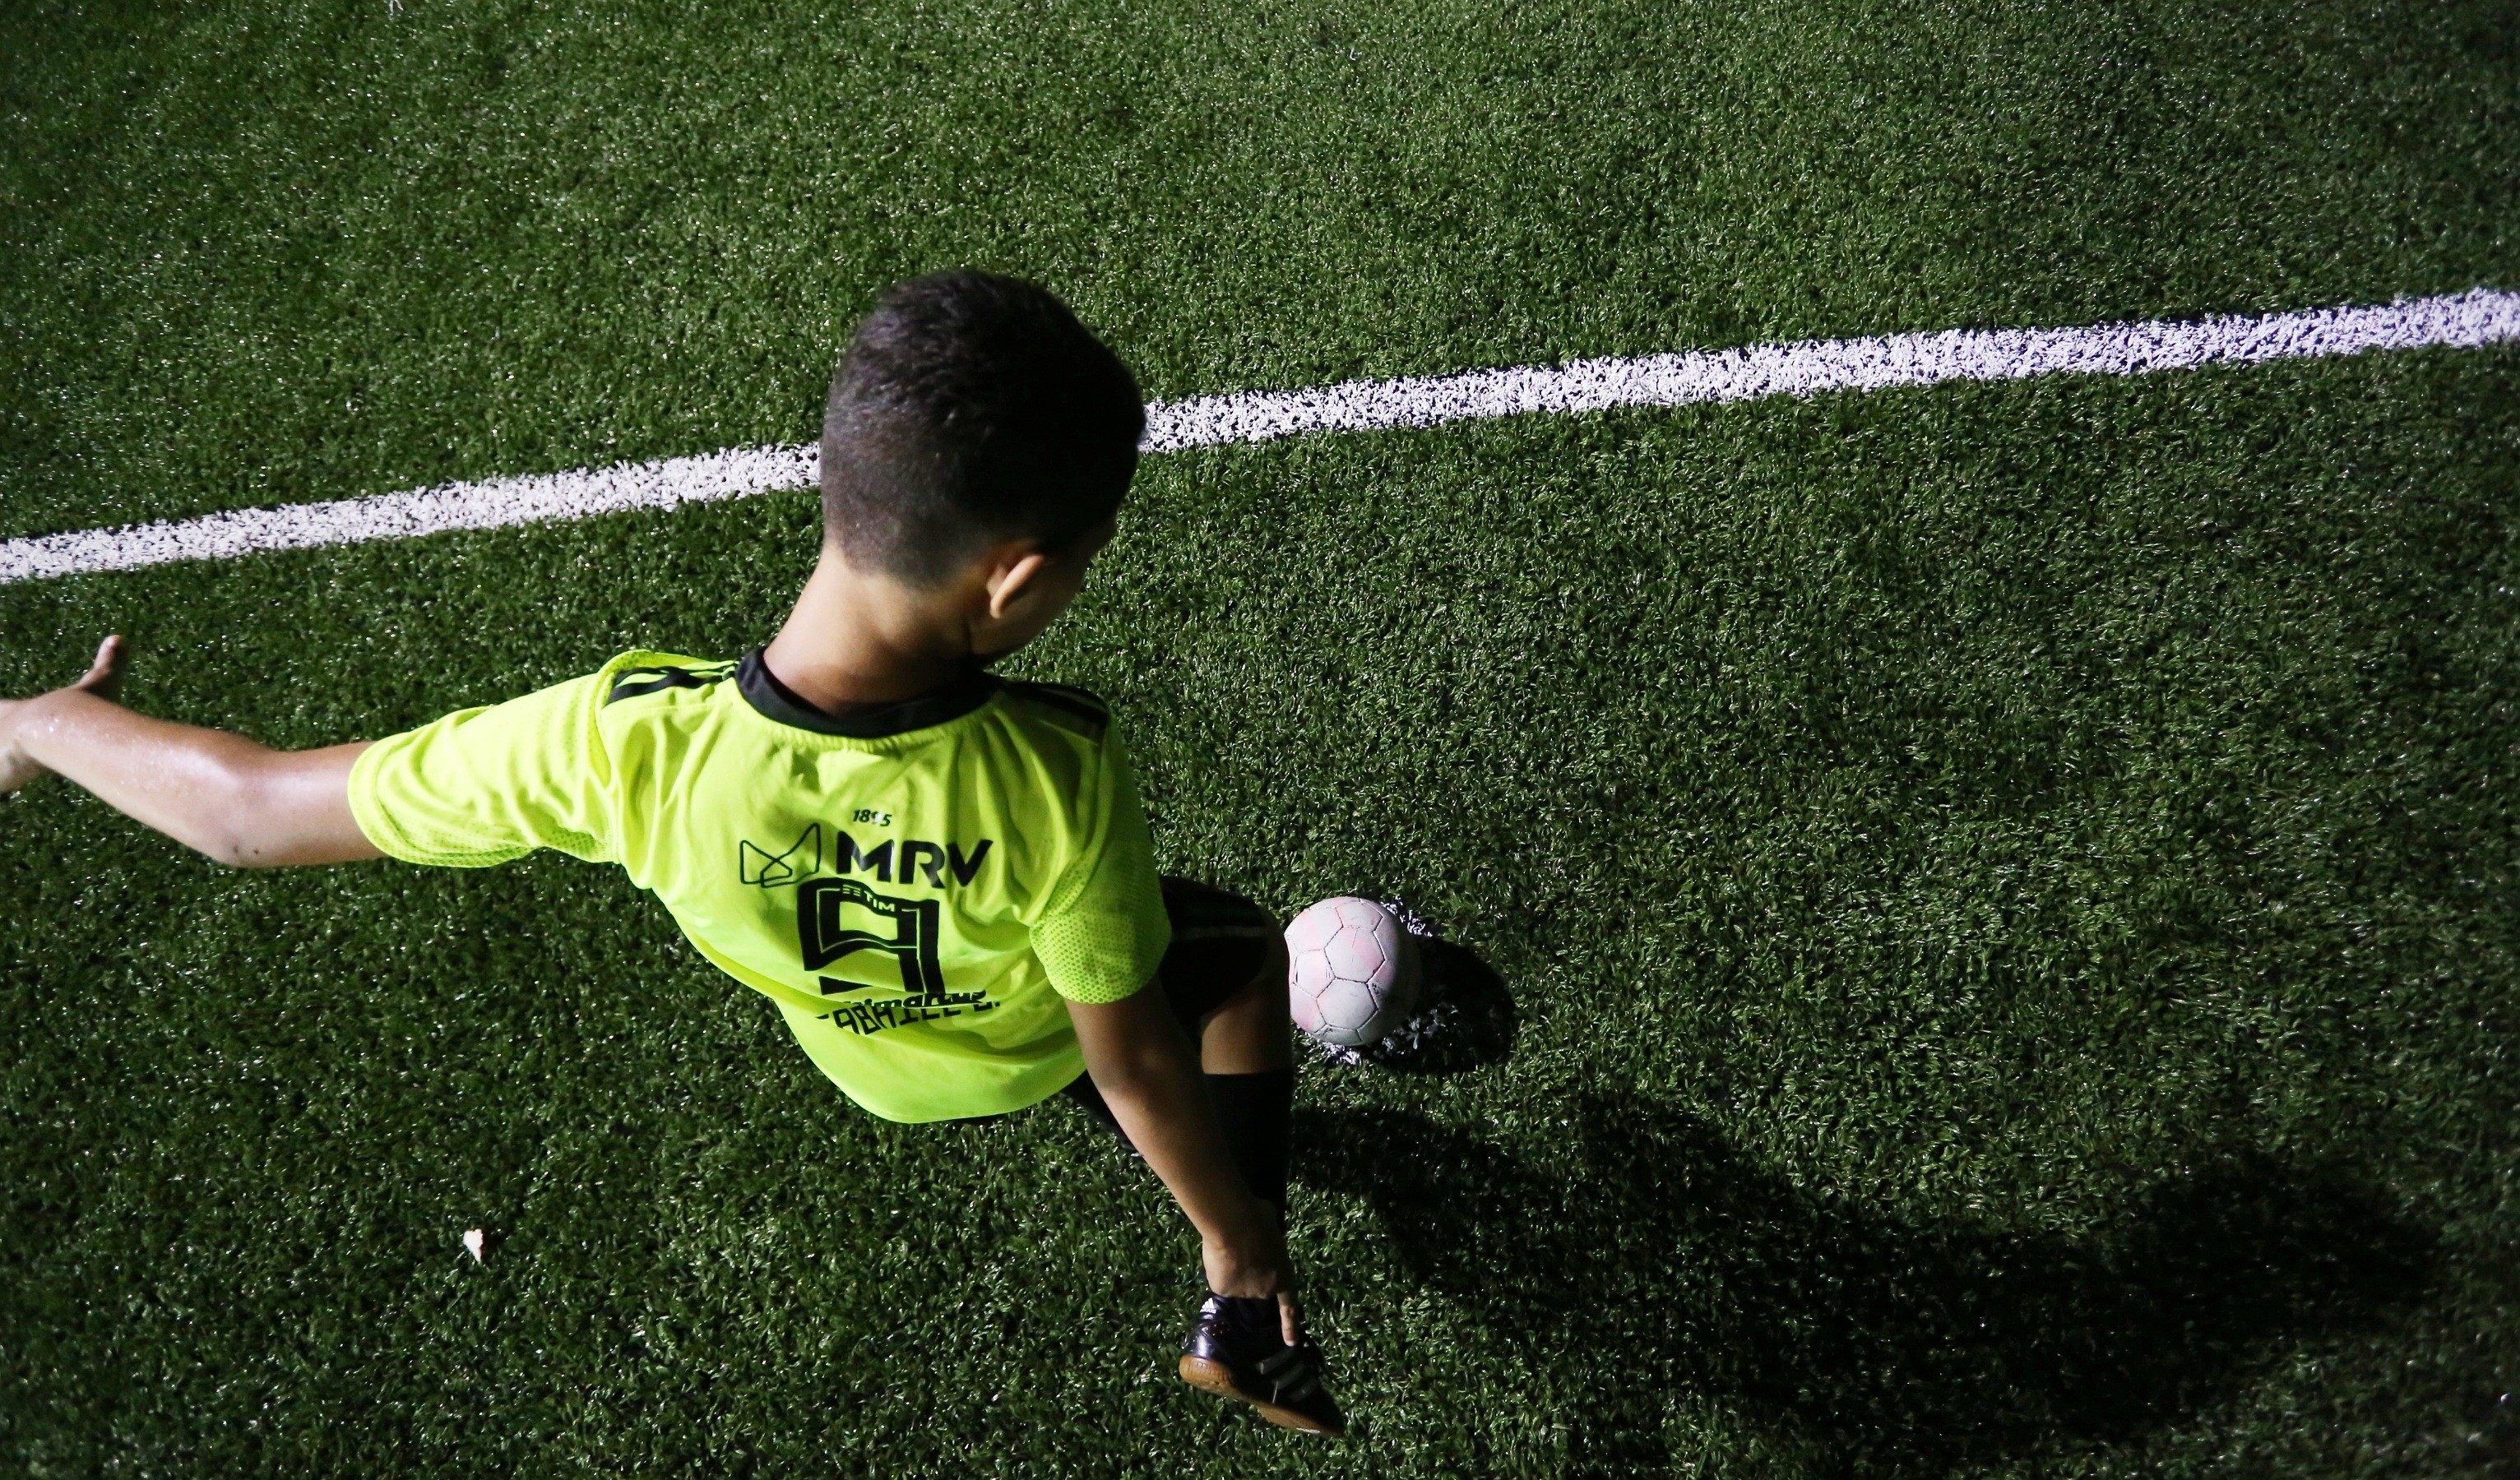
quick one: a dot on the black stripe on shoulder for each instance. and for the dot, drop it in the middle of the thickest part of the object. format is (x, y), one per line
(1073, 702)
(630, 682)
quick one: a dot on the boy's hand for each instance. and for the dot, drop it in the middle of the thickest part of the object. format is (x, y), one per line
(103, 679)
(241, 803)
(1255, 1267)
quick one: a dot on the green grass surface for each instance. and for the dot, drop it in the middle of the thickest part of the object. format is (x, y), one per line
(2007, 892)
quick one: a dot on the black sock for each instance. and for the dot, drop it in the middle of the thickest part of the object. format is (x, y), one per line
(1253, 1109)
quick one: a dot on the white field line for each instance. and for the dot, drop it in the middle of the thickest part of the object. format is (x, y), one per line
(2467, 320)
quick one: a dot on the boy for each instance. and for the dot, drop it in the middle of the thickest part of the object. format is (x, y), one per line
(943, 879)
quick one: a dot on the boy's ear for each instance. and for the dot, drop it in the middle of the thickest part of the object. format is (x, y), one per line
(1011, 577)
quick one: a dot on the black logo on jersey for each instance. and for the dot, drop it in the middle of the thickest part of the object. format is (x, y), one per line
(868, 1017)
(760, 866)
(916, 859)
(833, 921)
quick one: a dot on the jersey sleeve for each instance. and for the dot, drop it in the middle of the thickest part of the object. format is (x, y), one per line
(1106, 931)
(482, 787)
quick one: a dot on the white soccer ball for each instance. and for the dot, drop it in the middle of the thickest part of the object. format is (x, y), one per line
(1351, 971)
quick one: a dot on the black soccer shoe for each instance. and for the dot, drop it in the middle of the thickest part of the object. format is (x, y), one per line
(1233, 1351)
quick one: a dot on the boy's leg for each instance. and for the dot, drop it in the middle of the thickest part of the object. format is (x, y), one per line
(1227, 973)
(1226, 979)
(1251, 1032)
(1248, 1061)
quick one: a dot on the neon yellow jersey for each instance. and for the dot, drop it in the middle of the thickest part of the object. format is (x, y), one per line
(916, 886)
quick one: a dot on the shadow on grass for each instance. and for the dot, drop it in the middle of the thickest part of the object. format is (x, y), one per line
(1666, 1264)
(1478, 1019)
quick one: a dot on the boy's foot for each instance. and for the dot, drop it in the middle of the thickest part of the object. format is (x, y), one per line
(1235, 1351)
(103, 679)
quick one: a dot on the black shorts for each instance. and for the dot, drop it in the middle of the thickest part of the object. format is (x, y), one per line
(1221, 941)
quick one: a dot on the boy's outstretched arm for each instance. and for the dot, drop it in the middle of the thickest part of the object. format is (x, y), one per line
(239, 802)
(1149, 1074)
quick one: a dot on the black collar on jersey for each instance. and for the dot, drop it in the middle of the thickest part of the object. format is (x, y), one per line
(774, 700)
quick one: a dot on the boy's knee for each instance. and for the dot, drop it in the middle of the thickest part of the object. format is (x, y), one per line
(1264, 990)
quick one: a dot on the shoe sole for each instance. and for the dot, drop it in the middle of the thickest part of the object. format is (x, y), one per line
(1212, 1376)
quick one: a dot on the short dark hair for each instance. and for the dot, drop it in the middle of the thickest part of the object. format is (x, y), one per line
(971, 409)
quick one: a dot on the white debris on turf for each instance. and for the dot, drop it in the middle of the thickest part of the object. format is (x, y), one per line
(1423, 1025)
(1409, 919)
(475, 1241)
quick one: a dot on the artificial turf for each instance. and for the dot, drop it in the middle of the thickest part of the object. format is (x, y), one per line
(2006, 893)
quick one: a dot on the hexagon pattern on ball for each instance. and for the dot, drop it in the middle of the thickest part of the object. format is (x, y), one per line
(1351, 971)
